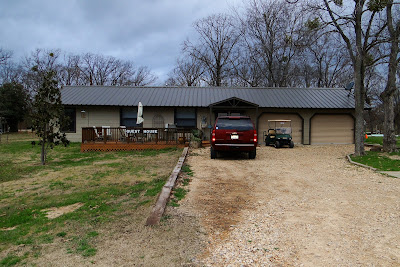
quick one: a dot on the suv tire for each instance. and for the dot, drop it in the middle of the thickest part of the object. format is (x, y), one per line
(252, 154)
(213, 154)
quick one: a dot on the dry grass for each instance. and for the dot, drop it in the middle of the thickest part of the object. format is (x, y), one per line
(111, 195)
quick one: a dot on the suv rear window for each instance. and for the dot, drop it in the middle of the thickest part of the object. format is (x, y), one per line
(234, 124)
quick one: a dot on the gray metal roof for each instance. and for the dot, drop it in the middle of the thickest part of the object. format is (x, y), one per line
(332, 98)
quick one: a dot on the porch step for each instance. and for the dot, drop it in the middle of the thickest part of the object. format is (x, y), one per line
(205, 143)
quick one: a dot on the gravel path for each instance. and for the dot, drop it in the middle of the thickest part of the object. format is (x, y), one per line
(305, 206)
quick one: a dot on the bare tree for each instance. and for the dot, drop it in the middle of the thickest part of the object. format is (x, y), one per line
(187, 72)
(331, 63)
(388, 96)
(73, 69)
(359, 29)
(275, 35)
(142, 76)
(107, 70)
(374, 87)
(397, 110)
(122, 74)
(96, 69)
(10, 72)
(248, 69)
(217, 38)
(70, 72)
(5, 55)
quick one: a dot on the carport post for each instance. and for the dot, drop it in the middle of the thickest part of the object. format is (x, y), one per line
(256, 119)
(210, 121)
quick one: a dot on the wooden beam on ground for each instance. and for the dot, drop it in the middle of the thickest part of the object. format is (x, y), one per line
(159, 208)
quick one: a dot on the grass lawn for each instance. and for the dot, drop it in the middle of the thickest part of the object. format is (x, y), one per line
(98, 188)
(378, 140)
(379, 160)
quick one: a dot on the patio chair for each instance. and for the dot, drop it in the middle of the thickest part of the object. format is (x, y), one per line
(99, 136)
(108, 131)
(140, 137)
(123, 136)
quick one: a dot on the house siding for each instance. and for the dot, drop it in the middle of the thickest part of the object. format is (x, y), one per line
(110, 116)
(150, 112)
(94, 116)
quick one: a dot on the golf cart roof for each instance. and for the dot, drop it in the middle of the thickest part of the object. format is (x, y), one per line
(279, 120)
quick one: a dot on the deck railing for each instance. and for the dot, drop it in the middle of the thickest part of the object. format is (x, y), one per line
(136, 135)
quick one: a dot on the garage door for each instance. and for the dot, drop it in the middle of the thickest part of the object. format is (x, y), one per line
(332, 129)
(297, 125)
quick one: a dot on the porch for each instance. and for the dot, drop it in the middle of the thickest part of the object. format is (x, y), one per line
(121, 138)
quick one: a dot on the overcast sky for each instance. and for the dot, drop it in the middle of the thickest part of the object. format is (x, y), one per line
(149, 32)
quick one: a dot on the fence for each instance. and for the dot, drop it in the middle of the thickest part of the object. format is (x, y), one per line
(125, 135)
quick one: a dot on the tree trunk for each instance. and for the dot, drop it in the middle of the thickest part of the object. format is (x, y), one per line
(13, 126)
(359, 90)
(44, 138)
(389, 137)
(43, 154)
(359, 114)
(218, 80)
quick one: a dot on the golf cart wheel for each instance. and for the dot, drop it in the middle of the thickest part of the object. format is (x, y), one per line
(252, 154)
(277, 144)
(291, 145)
(213, 154)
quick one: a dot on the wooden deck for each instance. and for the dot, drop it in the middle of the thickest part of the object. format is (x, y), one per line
(125, 139)
(113, 146)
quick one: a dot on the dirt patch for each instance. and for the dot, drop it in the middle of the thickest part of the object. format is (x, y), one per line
(54, 212)
(302, 206)
(9, 228)
(222, 195)
(128, 242)
(393, 157)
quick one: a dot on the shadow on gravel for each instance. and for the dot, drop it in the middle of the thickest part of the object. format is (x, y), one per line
(232, 155)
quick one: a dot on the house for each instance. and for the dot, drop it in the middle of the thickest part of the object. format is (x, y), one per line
(319, 115)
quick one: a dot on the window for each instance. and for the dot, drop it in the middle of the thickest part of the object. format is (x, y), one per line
(234, 124)
(185, 117)
(128, 117)
(68, 123)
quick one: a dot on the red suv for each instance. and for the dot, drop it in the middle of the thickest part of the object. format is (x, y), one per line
(234, 133)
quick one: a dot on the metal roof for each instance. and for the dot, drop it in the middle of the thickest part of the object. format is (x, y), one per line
(332, 98)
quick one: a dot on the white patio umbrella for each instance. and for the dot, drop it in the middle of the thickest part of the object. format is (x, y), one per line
(139, 119)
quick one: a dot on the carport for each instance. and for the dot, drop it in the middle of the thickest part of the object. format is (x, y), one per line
(233, 106)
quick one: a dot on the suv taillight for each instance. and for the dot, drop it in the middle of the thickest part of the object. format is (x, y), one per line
(213, 136)
(255, 136)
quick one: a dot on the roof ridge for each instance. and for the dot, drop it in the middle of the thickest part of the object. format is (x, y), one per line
(208, 87)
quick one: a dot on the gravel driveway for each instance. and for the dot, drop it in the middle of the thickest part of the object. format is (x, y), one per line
(305, 206)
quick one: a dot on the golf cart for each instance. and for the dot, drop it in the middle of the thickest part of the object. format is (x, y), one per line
(279, 133)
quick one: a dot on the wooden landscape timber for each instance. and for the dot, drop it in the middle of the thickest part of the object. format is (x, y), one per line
(162, 200)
